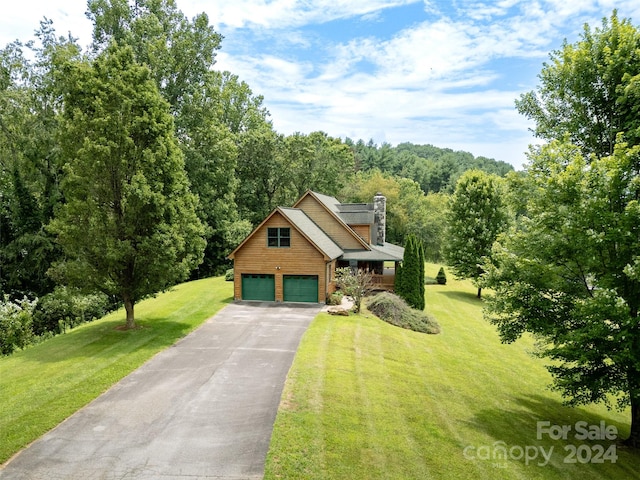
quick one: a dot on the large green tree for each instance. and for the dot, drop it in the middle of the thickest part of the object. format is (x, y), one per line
(318, 162)
(129, 225)
(476, 216)
(569, 272)
(568, 269)
(30, 167)
(589, 89)
(212, 109)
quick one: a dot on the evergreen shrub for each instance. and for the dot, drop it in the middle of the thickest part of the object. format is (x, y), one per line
(335, 298)
(441, 278)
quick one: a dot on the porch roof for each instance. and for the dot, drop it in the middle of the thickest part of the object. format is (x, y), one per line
(378, 253)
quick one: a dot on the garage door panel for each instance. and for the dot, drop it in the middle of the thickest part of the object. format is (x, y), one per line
(257, 286)
(300, 288)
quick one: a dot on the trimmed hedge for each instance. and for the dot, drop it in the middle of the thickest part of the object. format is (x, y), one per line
(394, 310)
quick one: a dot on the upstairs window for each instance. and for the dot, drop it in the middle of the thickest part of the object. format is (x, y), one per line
(279, 237)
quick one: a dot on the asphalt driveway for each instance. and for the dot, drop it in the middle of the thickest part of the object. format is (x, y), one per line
(201, 409)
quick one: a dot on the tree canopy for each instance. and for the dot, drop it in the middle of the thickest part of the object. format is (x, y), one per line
(128, 226)
(589, 90)
(567, 270)
(475, 218)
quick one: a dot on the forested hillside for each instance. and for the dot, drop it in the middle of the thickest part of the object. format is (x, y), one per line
(139, 152)
(239, 167)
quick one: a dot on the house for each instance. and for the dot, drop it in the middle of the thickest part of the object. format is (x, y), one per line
(293, 254)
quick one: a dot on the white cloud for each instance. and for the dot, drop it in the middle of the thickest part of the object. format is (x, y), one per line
(19, 20)
(434, 81)
(289, 13)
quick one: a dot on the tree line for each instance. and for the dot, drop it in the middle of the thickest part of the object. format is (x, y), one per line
(143, 133)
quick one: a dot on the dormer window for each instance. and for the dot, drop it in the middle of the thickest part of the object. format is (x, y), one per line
(279, 237)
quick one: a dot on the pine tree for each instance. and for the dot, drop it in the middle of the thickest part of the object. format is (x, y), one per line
(421, 279)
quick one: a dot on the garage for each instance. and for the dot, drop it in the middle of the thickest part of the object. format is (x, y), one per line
(300, 288)
(258, 286)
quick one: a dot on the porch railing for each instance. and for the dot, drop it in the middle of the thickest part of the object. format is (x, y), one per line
(383, 282)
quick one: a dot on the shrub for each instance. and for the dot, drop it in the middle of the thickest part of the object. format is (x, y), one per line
(335, 298)
(16, 324)
(66, 308)
(228, 276)
(394, 310)
(356, 284)
(441, 278)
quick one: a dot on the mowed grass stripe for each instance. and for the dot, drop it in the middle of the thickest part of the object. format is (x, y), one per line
(398, 404)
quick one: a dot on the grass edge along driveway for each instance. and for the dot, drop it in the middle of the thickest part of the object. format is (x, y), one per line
(42, 385)
(368, 400)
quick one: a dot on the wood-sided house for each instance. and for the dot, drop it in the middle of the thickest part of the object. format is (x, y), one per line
(293, 254)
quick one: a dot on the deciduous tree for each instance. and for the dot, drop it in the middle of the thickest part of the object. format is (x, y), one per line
(589, 89)
(475, 218)
(568, 270)
(569, 273)
(355, 283)
(129, 225)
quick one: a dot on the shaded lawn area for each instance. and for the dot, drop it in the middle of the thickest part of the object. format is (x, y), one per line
(367, 400)
(44, 384)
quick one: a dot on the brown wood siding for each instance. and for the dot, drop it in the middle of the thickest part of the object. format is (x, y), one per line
(363, 230)
(331, 277)
(302, 258)
(332, 227)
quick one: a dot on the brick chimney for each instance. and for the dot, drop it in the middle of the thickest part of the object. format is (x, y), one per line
(379, 218)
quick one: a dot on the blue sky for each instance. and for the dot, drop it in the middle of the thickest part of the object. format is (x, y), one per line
(443, 72)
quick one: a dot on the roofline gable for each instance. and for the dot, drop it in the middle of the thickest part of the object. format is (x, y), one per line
(291, 222)
(326, 255)
(246, 239)
(316, 196)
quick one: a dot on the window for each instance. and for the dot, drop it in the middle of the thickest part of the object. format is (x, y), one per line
(279, 237)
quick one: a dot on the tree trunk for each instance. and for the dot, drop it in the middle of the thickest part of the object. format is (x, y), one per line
(479, 292)
(634, 435)
(128, 306)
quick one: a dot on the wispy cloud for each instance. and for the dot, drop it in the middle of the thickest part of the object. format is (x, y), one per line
(290, 13)
(446, 73)
(434, 81)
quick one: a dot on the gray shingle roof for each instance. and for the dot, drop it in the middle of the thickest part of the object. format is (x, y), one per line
(349, 213)
(388, 252)
(330, 202)
(321, 240)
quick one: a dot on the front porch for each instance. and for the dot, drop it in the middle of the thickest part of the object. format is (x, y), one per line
(384, 281)
(383, 273)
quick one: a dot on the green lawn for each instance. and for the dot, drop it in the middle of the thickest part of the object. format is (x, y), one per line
(43, 385)
(366, 400)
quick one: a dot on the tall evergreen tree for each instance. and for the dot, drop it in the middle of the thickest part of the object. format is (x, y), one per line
(421, 281)
(410, 285)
